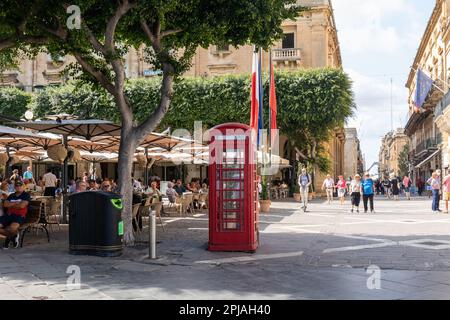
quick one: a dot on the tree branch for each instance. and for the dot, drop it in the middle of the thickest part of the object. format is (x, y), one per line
(98, 75)
(148, 32)
(123, 8)
(166, 96)
(93, 40)
(170, 32)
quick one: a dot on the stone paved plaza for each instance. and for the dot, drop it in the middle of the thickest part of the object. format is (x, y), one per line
(321, 254)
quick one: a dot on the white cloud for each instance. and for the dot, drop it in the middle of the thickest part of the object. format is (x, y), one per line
(370, 26)
(373, 116)
(379, 37)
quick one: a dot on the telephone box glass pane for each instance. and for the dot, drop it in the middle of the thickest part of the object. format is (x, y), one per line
(231, 225)
(232, 195)
(232, 175)
(230, 205)
(233, 156)
(233, 185)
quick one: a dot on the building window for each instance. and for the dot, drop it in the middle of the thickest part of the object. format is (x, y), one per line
(288, 41)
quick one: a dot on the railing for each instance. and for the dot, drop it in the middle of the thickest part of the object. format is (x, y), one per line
(428, 144)
(293, 54)
(442, 105)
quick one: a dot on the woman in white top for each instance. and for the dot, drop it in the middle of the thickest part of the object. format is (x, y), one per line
(355, 190)
(328, 185)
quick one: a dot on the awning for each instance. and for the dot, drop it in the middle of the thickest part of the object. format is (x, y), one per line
(427, 159)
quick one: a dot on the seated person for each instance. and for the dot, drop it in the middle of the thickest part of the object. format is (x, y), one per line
(106, 186)
(81, 186)
(72, 186)
(15, 175)
(204, 188)
(17, 207)
(4, 193)
(93, 185)
(179, 188)
(171, 193)
(192, 187)
(155, 193)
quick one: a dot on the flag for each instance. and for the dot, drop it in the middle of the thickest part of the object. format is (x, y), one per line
(256, 98)
(272, 98)
(423, 87)
(260, 101)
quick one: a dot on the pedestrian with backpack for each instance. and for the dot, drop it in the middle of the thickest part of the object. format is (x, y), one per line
(304, 181)
(368, 192)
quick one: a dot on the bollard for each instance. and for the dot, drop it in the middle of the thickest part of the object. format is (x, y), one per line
(152, 234)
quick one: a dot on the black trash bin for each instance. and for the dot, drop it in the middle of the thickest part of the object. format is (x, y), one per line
(95, 224)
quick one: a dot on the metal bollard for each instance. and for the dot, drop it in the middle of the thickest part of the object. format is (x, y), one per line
(152, 234)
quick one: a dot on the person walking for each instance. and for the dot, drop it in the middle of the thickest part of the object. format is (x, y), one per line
(368, 192)
(420, 185)
(28, 175)
(341, 186)
(355, 191)
(435, 185)
(394, 187)
(50, 182)
(328, 186)
(304, 181)
(407, 183)
(387, 188)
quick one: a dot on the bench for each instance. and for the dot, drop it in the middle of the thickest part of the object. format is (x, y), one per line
(35, 219)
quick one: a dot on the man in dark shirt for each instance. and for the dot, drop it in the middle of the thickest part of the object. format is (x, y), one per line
(17, 207)
(179, 188)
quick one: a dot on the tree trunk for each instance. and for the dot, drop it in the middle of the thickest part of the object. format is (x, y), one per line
(127, 149)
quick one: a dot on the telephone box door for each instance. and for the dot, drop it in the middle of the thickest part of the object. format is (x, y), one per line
(232, 190)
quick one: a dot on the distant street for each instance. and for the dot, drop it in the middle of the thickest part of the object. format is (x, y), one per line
(322, 254)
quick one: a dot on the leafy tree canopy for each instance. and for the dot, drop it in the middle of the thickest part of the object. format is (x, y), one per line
(311, 103)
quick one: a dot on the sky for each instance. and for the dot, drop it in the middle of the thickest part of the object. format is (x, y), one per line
(379, 40)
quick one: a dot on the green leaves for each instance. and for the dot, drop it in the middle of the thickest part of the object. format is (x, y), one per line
(14, 102)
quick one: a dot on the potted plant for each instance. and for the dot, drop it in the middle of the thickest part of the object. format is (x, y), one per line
(264, 201)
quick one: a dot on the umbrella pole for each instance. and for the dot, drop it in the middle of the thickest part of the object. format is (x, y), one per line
(64, 182)
(146, 168)
(8, 164)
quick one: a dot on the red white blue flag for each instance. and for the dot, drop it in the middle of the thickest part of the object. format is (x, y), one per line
(256, 113)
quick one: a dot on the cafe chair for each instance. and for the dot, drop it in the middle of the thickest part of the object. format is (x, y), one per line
(203, 201)
(157, 206)
(135, 218)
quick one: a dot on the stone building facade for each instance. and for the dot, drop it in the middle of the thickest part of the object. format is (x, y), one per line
(353, 162)
(428, 130)
(393, 143)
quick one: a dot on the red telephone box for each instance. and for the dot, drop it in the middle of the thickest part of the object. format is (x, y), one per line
(233, 192)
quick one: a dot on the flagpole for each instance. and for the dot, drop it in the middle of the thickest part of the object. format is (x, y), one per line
(261, 95)
(269, 143)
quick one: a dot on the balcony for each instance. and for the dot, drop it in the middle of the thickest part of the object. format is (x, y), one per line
(286, 55)
(425, 149)
(442, 105)
(434, 96)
